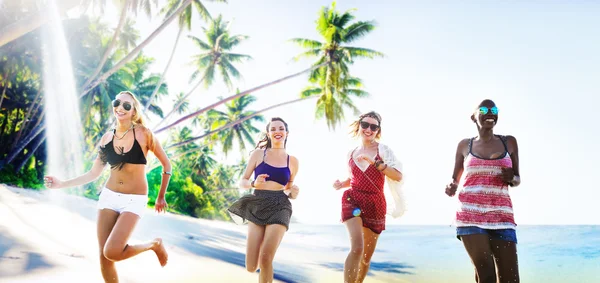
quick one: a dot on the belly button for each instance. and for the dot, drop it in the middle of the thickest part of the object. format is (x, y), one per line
(121, 182)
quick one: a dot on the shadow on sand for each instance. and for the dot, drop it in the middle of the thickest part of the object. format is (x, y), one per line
(388, 267)
(25, 260)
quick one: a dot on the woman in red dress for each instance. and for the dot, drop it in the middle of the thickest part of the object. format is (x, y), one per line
(364, 205)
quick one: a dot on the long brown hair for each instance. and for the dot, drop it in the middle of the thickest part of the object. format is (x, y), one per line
(265, 142)
(355, 126)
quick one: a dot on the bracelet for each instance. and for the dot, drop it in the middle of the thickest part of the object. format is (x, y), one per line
(383, 168)
(515, 181)
(377, 163)
(167, 173)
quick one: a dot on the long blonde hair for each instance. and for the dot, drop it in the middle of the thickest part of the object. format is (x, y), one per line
(138, 118)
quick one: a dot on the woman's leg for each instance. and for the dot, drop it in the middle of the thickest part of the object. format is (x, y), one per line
(255, 239)
(116, 247)
(370, 242)
(273, 235)
(505, 254)
(104, 225)
(480, 251)
(352, 264)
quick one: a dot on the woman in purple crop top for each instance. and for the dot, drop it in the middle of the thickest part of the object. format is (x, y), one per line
(124, 197)
(267, 211)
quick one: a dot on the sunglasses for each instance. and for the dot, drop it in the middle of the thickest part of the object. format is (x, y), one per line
(484, 110)
(126, 105)
(365, 125)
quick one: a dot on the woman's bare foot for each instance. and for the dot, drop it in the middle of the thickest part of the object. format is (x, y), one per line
(160, 251)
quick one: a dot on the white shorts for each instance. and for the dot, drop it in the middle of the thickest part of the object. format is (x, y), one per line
(122, 202)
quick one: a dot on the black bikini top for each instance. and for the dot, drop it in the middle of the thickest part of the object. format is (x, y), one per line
(118, 160)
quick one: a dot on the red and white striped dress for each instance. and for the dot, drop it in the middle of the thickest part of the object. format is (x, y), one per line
(484, 199)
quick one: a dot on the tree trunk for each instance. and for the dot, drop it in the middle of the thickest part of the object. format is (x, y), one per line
(111, 44)
(2, 137)
(26, 118)
(162, 77)
(39, 121)
(5, 77)
(29, 154)
(23, 144)
(35, 112)
(237, 122)
(26, 25)
(14, 130)
(194, 114)
(137, 49)
(181, 101)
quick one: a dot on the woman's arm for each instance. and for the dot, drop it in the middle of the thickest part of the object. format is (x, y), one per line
(390, 166)
(88, 177)
(338, 185)
(390, 172)
(293, 189)
(159, 152)
(245, 182)
(98, 166)
(459, 159)
(513, 148)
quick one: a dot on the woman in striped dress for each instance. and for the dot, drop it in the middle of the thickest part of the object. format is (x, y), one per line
(484, 220)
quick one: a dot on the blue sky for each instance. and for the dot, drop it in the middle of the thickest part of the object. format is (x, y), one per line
(538, 60)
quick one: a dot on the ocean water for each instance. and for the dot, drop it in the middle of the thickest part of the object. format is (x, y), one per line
(547, 254)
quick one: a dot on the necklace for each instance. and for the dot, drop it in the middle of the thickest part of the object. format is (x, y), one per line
(120, 138)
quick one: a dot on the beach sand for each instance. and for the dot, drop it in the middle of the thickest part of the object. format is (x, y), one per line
(44, 242)
(50, 236)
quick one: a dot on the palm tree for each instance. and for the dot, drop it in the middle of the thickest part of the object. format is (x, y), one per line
(234, 123)
(334, 56)
(333, 80)
(234, 96)
(125, 6)
(136, 50)
(185, 22)
(242, 132)
(222, 177)
(331, 104)
(198, 157)
(215, 56)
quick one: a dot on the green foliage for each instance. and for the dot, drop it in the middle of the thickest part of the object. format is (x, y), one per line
(332, 83)
(199, 186)
(27, 177)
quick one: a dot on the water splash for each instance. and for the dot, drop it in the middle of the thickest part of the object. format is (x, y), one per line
(64, 133)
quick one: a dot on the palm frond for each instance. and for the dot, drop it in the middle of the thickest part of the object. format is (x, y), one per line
(307, 43)
(237, 58)
(364, 52)
(203, 45)
(358, 30)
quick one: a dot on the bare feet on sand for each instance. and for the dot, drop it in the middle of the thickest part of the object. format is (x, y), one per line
(160, 251)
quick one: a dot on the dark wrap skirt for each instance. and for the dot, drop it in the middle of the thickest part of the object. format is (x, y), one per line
(262, 208)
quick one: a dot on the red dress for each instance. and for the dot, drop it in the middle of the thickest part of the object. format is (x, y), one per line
(365, 198)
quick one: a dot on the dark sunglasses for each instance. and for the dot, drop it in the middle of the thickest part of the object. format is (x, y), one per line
(365, 125)
(126, 105)
(484, 110)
